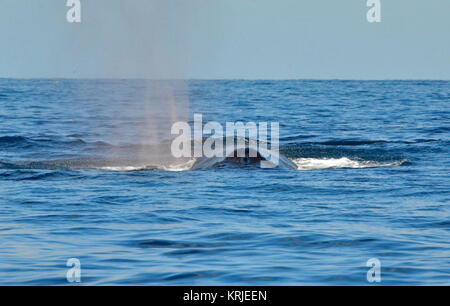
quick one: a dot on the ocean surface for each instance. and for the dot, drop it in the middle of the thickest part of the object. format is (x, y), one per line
(373, 181)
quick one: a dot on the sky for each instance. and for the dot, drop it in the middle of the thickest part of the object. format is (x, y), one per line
(225, 39)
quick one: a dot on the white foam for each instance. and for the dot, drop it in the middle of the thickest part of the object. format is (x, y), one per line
(338, 163)
(301, 163)
(179, 167)
(122, 168)
(175, 167)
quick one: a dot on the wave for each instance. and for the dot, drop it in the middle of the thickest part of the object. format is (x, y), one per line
(13, 140)
(44, 142)
(339, 163)
(172, 168)
(351, 142)
(293, 146)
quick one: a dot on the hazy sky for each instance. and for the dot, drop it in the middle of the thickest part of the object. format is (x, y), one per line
(256, 39)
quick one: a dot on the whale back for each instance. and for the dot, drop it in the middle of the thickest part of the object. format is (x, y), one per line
(250, 154)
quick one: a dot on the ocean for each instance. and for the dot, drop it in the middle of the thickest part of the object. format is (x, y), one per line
(372, 182)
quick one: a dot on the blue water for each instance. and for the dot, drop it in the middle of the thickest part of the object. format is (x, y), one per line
(374, 184)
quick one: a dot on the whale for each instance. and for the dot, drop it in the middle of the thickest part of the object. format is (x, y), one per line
(250, 155)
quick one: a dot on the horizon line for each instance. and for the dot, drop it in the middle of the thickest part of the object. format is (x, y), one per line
(220, 79)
